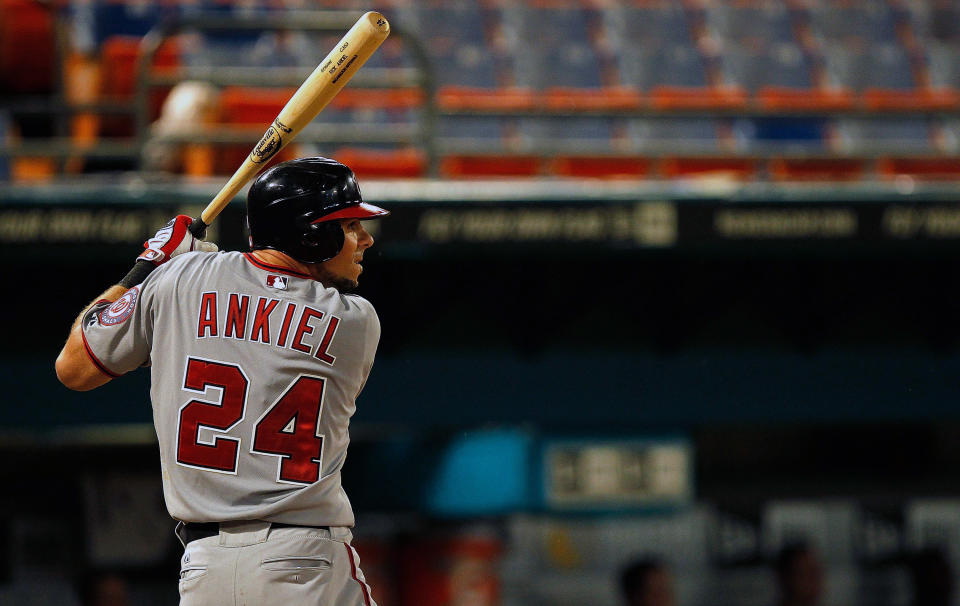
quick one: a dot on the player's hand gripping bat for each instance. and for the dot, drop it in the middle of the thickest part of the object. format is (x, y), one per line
(314, 94)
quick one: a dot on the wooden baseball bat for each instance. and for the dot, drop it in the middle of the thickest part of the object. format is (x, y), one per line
(314, 94)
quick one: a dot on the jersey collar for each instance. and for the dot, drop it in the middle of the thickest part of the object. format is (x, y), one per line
(275, 268)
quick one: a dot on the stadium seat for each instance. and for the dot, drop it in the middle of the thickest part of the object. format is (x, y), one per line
(674, 76)
(695, 134)
(871, 21)
(943, 65)
(873, 135)
(884, 76)
(780, 98)
(762, 64)
(677, 65)
(932, 168)
(600, 167)
(676, 97)
(118, 65)
(482, 146)
(127, 19)
(558, 53)
(730, 22)
(572, 135)
(471, 71)
(27, 47)
(253, 106)
(816, 169)
(935, 22)
(475, 166)
(719, 166)
(789, 134)
(380, 163)
(646, 26)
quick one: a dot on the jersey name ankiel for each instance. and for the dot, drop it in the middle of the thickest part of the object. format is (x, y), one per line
(292, 326)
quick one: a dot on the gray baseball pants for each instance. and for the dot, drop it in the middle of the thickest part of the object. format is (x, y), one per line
(252, 564)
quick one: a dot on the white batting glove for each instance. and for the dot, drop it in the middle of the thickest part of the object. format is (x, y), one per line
(171, 240)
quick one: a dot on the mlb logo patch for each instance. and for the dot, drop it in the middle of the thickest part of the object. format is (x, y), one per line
(278, 282)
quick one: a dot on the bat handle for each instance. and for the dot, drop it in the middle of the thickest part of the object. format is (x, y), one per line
(198, 228)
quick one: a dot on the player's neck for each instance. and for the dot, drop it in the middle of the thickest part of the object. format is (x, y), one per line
(314, 270)
(275, 257)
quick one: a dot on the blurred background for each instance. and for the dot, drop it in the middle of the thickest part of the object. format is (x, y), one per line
(669, 295)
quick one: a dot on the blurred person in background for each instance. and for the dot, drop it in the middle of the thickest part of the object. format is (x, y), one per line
(799, 576)
(187, 110)
(931, 578)
(647, 582)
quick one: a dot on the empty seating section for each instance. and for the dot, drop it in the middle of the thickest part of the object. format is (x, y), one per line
(782, 89)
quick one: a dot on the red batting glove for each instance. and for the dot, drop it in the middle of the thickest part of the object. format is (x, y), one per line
(171, 240)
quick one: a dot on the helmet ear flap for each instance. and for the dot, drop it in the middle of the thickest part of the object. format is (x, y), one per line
(322, 241)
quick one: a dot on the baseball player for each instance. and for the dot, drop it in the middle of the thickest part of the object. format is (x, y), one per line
(256, 360)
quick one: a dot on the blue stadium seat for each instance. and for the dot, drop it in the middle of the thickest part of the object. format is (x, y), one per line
(471, 69)
(466, 64)
(867, 20)
(885, 134)
(883, 65)
(127, 19)
(936, 21)
(674, 65)
(648, 27)
(943, 63)
(788, 134)
(484, 134)
(572, 135)
(550, 27)
(572, 65)
(950, 134)
(467, 22)
(768, 21)
(781, 64)
(681, 134)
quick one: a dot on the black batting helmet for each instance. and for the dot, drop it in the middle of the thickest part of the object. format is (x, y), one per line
(295, 207)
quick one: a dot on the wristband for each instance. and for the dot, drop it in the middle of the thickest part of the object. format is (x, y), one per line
(141, 269)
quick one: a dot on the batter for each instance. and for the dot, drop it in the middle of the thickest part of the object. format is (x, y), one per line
(256, 360)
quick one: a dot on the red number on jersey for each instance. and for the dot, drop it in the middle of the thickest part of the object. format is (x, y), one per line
(221, 453)
(289, 429)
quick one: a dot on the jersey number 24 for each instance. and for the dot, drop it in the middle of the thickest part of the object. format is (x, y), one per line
(287, 429)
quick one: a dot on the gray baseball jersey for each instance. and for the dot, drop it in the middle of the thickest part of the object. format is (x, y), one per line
(255, 370)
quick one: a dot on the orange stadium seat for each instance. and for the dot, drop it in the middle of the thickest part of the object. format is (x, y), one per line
(602, 99)
(812, 169)
(921, 168)
(738, 168)
(627, 167)
(910, 100)
(27, 47)
(247, 105)
(490, 166)
(118, 61)
(379, 163)
(456, 98)
(680, 97)
(781, 98)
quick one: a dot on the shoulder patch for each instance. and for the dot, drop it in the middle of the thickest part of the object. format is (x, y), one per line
(121, 309)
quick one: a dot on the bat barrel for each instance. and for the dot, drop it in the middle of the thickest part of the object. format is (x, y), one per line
(330, 76)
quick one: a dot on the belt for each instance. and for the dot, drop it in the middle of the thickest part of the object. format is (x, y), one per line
(193, 531)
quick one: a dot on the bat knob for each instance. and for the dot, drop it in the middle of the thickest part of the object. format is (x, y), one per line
(198, 228)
